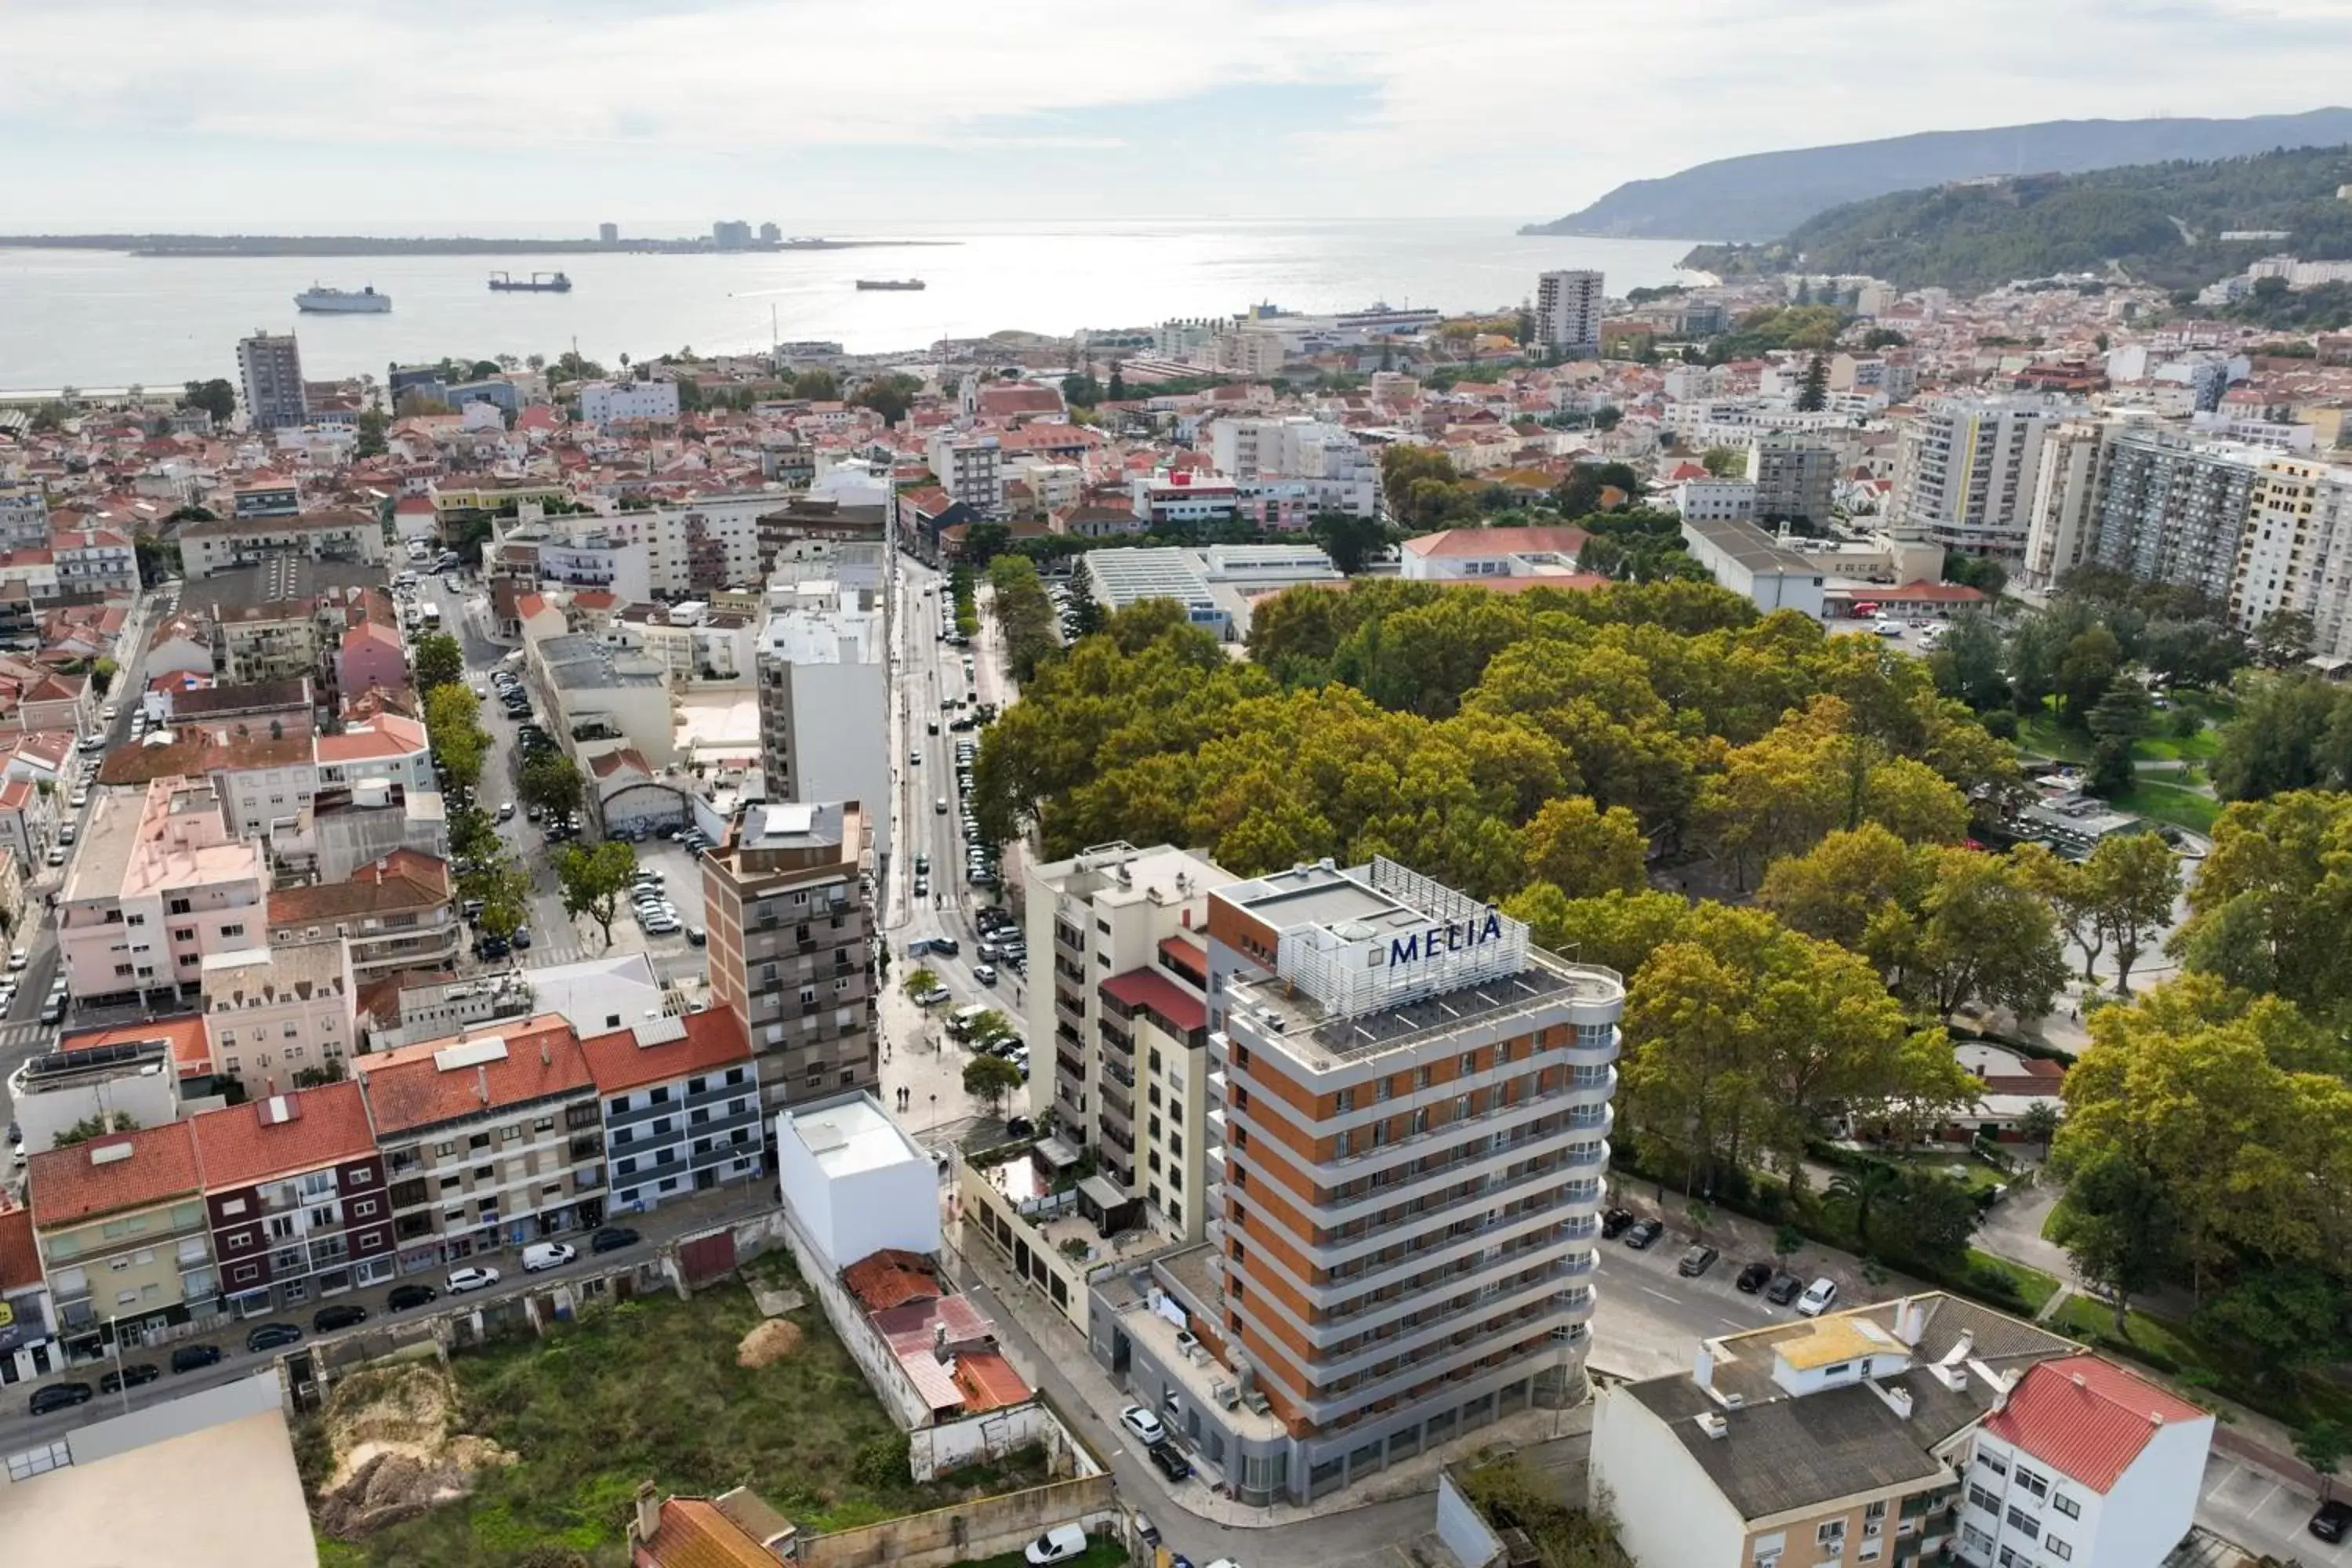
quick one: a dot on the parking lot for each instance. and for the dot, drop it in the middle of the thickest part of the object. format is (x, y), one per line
(2263, 1514)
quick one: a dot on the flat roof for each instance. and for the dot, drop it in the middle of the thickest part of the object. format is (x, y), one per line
(1748, 545)
(851, 1136)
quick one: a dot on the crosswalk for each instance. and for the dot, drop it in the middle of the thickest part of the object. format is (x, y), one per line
(25, 1031)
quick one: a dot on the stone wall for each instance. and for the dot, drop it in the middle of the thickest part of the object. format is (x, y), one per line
(986, 1528)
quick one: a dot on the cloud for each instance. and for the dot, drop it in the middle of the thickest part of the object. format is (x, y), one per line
(1526, 106)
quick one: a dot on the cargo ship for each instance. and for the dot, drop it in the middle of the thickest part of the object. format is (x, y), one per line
(893, 283)
(344, 302)
(537, 283)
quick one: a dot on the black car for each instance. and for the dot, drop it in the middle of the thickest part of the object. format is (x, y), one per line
(343, 1315)
(1642, 1232)
(1696, 1261)
(191, 1358)
(2332, 1521)
(131, 1377)
(1615, 1221)
(271, 1336)
(61, 1396)
(1784, 1288)
(1753, 1278)
(1171, 1462)
(404, 1297)
(611, 1238)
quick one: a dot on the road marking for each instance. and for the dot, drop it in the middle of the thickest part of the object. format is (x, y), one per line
(1661, 1294)
(1733, 1324)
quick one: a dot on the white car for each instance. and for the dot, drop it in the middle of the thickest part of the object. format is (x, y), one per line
(108, 712)
(463, 1279)
(1144, 1425)
(547, 1254)
(1059, 1544)
(18, 958)
(1818, 1298)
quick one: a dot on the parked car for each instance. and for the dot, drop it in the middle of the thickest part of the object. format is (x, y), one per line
(193, 1358)
(137, 1373)
(1642, 1232)
(696, 936)
(611, 1238)
(1615, 1221)
(2332, 1521)
(1818, 1298)
(471, 1278)
(1144, 1425)
(984, 972)
(1783, 1288)
(1696, 1261)
(65, 1396)
(547, 1254)
(1170, 1462)
(1753, 1278)
(405, 1298)
(271, 1336)
(342, 1315)
(1058, 1544)
(933, 997)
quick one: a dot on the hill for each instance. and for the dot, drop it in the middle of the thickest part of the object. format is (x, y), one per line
(1763, 195)
(2155, 223)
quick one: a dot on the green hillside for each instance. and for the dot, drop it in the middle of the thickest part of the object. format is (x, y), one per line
(2152, 223)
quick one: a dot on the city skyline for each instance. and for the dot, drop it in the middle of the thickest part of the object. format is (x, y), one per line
(798, 105)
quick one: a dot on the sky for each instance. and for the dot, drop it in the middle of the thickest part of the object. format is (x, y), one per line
(524, 117)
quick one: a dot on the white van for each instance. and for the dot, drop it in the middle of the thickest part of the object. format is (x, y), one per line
(547, 1254)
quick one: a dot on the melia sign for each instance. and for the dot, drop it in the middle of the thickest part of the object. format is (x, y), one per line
(1441, 938)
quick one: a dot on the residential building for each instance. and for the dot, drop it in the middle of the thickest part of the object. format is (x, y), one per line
(1715, 500)
(295, 1195)
(1795, 476)
(1964, 471)
(92, 562)
(278, 1017)
(490, 1140)
(29, 821)
(371, 657)
(791, 947)
(2173, 509)
(133, 1069)
(1752, 563)
(854, 1182)
(2296, 554)
(1126, 1013)
(1408, 1136)
(24, 514)
(1897, 1433)
(121, 1225)
(269, 381)
(733, 1530)
(159, 885)
(265, 496)
(389, 749)
(822, 661)
(682, 1109)
(351, 538)
(970, 467)
(604, 403)
(604, 699)
(1568, 313)
(2064, 522)
(1456, 553)
(28, 1328)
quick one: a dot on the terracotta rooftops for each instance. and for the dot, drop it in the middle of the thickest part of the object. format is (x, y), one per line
(283, 1135)
(2088, 1417)
(669, 1047)
(442, 1080)
(108, 1174)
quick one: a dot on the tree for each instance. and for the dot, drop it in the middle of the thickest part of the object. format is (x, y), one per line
(1583, 850)
(1586, 489)
(102, 671)
(1116, 391)
(552, 782)
(1814, 395)
(2289, 732)
(2324, 1444)
(2134, 879)
(1081, 390)
(2284, 637)
(2266, 908)
(371, 426)
(818, 385)
(1863, 1186)
(450, 723)
(2086, 670)
(889, 396)
(505, 892)
(216, 397)
(1984, 934)
(440, 662)
(1724, 462)
(594, 879)
(1935, 1216)
(1352, 542)
(2117, 1227)
(97, 1125)
(416, 405)
(919, 982)
(1087, 616)
(2039, 1124)
(984, 541)
(1969, 663)
(990, 1079)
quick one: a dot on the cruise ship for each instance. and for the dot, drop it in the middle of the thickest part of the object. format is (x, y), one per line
(344, 302)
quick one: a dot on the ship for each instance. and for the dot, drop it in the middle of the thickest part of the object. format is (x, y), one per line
(889, 283)
(537, 283)
(344, 302)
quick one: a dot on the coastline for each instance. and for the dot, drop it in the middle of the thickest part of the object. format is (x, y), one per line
(181, 246)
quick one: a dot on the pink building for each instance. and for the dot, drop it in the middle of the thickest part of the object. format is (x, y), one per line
(158, 886)
(371, 656)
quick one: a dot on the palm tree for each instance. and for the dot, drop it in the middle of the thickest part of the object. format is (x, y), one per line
(1862, 1187)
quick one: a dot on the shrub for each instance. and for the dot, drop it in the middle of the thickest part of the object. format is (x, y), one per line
(2000, 724)
(885, 1461)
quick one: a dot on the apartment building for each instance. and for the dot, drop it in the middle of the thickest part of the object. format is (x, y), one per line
(353, 538)
(1964, 471)
(269, 381)
(490, 1140)
(296, 1198)
(1408, 1135)
(682, 1109)
(91, 562)
(1795, 478)
(1126, 1012)
(970, 467)
(604, 403)
(120, 1226)
(823, 666)
(2297, 553)
(278, 1017)
(159, 885)
(2063, 527)
(24, 514)
(1568, 313)
(792, 951)
(2173, 509)
(1907, 1431)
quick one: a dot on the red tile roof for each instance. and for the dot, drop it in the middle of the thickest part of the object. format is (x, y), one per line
(2085, 1417)
(693, 1533)
(20, 1263)
(891, 1278)
(1477, 542)
(989, 1383)
(190, 1049)
(714, 1038)
(1154, 991)
(85, 1180)
(408, 1088)
(282, 1135)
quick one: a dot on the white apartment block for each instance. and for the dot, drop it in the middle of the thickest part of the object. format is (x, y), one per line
(2297, 550)
(823, 692)
(158, 885)
(970, 467)
(2063, 526)
(604, 403)
(1715, 500)
(2173, 509)
(1568, 313)
(1964, 473)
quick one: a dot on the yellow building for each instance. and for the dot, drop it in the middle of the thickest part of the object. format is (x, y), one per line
(119, 1222)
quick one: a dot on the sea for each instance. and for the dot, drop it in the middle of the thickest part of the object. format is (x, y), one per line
(98, 320)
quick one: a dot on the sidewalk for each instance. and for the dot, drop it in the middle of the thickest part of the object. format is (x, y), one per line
(1044, 1349)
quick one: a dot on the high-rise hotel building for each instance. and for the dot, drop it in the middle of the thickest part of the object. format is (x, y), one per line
(1408, 1138)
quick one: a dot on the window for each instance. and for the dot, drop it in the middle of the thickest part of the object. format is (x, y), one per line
(237, 930)
(2024, 1523)
(1831, 1533)
(184, 933)
(2033, 1481)
(2058, 1549)
(1992, 1462)
(443, 1151)
(1980, 1497)
(2066, 1505)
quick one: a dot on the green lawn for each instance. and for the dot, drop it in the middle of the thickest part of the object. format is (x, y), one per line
(2032, 1285)
(1976, 1174)
(2170, 1348)
(2170, 802)
(2041, 735)
(649, 1389)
